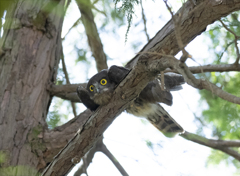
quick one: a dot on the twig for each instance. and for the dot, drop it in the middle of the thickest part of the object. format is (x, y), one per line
(215, 144)
(220, 57)
(176, 22)
(194, 114)
(101, 147)
(100, 11)
(162, 81)
(73, 26)
(94, 2)
(68, 3)
(105, 150)
(68, 81)
(235, 41)
(144, 21)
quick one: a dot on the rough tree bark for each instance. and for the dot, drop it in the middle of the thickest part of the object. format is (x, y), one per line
(31, 48)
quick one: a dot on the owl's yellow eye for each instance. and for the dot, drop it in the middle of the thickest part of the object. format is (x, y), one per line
(91, 88)
(103, 81)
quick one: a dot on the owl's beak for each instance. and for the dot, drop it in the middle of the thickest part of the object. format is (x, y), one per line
(96, 88)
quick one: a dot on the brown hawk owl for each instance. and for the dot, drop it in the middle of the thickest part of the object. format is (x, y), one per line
(100, 88)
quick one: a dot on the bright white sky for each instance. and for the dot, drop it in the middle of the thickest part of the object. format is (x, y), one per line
(126, 137)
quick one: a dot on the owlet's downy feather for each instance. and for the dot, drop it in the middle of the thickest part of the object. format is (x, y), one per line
(100, 88)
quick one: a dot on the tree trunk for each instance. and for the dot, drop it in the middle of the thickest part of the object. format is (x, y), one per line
(31, 46)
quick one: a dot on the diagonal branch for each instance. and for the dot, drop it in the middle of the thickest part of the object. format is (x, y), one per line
(94, 40)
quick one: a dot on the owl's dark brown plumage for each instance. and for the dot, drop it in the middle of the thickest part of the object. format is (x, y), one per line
(101, 86)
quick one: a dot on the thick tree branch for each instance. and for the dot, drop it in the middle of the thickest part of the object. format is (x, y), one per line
(57, 138)
(215, 144)
(66, 92)
(146, 67)
(94, 40)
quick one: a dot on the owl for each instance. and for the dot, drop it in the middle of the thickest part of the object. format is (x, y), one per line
(101, 86)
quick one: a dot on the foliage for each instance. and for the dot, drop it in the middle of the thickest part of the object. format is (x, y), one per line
(10, 171)
(223, 115)
(54, 118)
(128, 8)
(223, 48)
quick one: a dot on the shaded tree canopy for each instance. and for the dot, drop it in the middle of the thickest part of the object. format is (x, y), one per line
(37, 137)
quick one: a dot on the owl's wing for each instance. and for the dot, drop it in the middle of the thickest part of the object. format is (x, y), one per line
(85, 98)
(159, 117)
(173, 81)
(116, 74)
(153, 92)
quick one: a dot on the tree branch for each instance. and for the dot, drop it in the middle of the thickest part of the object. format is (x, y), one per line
(101, 147)
(215, 144)
(105, 150)
(66, 92)
(94, 40)
(212, 68)
(56, 139)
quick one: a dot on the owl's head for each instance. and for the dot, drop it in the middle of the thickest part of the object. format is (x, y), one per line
(100, 84)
